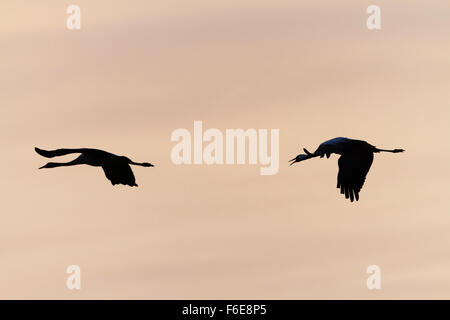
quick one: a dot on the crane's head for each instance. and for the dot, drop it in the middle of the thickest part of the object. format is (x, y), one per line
(50, 165)
(302, 157)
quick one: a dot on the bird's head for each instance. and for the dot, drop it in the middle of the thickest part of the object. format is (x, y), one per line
(299, 158)
(50, 165)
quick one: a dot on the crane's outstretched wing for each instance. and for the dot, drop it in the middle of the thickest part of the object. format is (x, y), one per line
(57, 152)
(119, 173)
(353, 169)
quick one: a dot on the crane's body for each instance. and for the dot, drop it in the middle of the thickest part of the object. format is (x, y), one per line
(354, 163)
(116, 168)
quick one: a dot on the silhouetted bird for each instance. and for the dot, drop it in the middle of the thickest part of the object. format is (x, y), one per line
(354, 162)
(117, 168)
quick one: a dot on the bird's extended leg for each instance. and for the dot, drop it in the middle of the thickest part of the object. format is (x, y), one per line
(143, 164)
(393, 151)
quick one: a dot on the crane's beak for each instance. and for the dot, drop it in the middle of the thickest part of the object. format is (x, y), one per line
(300, 157)
(292, 161)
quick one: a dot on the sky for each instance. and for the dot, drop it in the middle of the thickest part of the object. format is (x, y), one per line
(135, 73)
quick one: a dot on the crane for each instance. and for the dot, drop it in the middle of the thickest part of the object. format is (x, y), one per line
(116, 168)
(354, 162)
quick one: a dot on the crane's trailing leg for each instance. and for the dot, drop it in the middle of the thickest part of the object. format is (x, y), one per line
(393, 151)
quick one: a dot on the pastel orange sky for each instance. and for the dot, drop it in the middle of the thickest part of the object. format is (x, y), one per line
(138, 70)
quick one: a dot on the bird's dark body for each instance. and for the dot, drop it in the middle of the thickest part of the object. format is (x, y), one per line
(98, 158)
(116, 168)
(354, 163)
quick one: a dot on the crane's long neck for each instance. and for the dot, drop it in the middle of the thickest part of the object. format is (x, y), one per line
(62, 164)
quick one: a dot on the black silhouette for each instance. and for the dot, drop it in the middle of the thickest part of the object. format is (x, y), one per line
(117, 168)
(354, 162)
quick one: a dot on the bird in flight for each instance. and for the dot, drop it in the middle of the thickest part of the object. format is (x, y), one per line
(117, 168)
(354, 162)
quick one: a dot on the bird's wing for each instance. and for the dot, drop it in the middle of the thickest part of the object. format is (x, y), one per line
(353, 169)
(57, 152)
(119, 173)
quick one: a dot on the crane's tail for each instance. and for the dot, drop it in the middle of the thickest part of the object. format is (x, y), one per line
(56, 153)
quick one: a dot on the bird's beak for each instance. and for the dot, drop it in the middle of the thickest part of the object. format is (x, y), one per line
(302, 157)
(292, 161)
